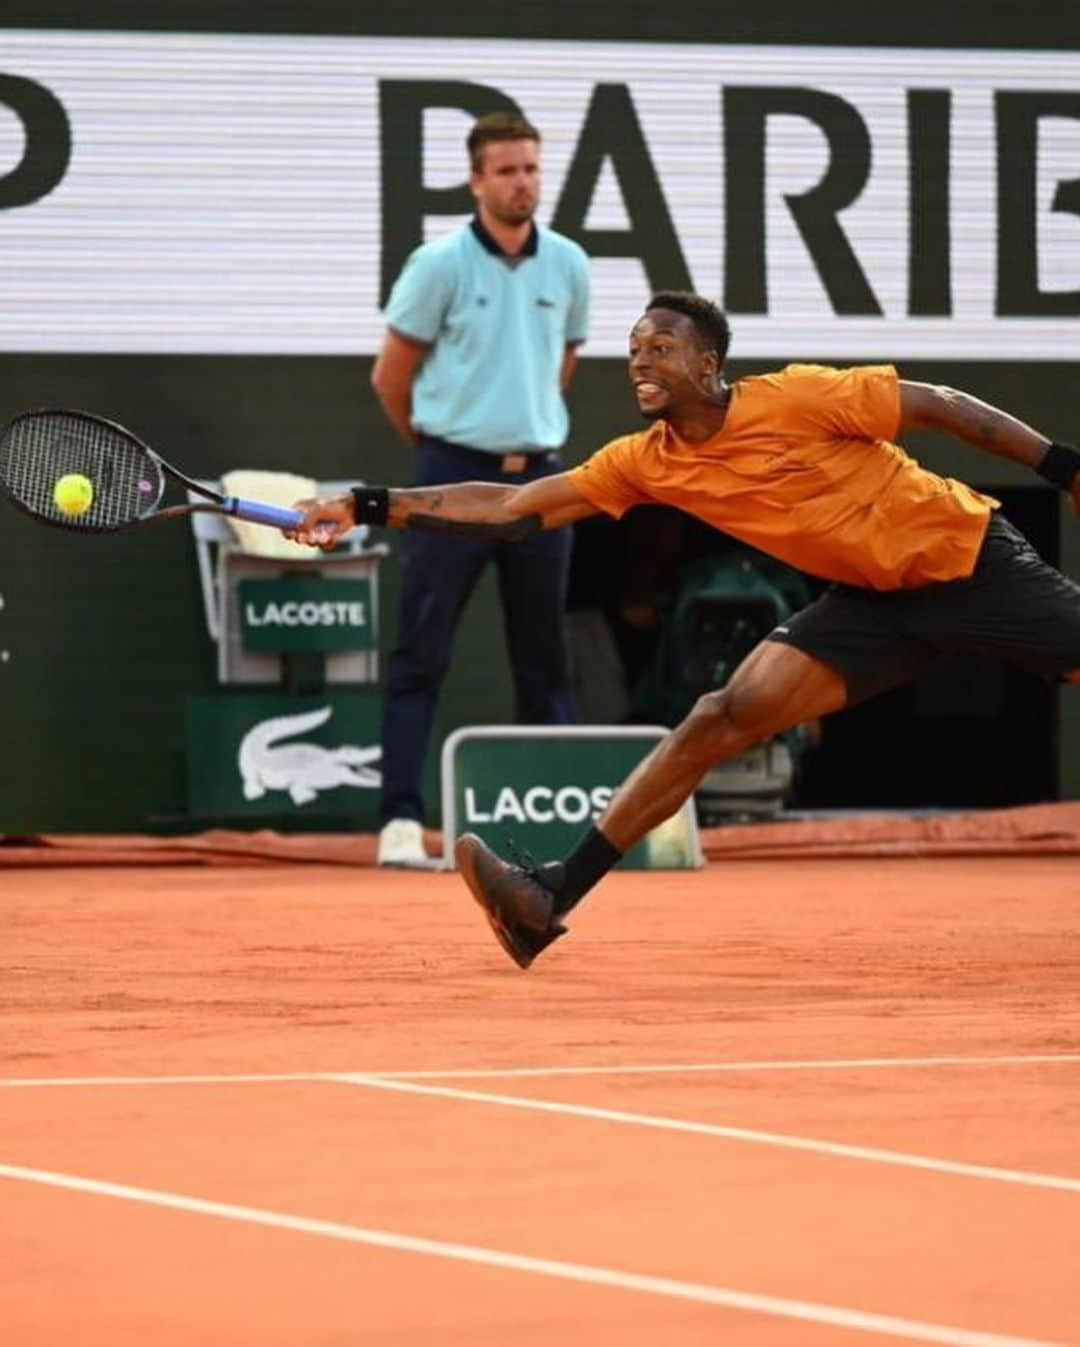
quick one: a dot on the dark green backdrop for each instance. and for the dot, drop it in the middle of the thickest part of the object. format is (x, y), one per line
(105, 635)
(101, 640)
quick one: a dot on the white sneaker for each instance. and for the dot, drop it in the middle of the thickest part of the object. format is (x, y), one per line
(401, 844)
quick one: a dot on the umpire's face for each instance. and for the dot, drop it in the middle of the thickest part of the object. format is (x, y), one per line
(507, 183)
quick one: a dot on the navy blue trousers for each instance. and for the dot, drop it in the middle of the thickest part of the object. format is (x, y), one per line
(437, 576)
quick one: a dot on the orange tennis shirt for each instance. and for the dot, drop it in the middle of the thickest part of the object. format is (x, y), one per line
(805, 468)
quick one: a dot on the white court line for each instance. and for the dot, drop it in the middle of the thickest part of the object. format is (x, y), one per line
(783, 1140)
(42, 1082)
(689, 1068)
(507, 1073)
(837, 1316)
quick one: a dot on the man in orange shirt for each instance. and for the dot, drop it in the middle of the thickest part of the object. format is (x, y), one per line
(800, 464)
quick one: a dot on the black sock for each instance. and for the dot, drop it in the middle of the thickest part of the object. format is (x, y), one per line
(587, 864)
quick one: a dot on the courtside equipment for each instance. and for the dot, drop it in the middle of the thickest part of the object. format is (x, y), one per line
(538, 787)
(48, 449)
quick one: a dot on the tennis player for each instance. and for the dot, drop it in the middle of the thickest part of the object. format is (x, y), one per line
(801, 464)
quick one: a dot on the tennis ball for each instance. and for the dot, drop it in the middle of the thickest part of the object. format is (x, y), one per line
(73, 494)
(668, 846)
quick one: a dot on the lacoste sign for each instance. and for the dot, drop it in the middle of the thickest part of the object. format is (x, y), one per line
(306, 614)
(272, 756)
(539, 787)
(537, 804)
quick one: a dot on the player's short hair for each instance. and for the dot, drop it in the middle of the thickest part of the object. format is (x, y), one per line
(708, 318)
(493, 127)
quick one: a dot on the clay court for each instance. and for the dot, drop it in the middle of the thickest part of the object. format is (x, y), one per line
(797, 1101)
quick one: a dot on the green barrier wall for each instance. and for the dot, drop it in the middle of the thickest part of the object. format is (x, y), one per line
(102, 641)
(105, 636)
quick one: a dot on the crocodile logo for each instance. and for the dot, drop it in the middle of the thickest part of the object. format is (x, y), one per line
(302, 769)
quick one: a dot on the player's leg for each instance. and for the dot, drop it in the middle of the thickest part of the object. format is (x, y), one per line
(843, 648)
(777, 686)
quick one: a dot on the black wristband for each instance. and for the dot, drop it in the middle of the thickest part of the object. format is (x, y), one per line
(1059, 465)
(371, 504)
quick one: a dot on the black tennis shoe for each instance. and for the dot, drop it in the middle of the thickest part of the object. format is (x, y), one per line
(519, 909)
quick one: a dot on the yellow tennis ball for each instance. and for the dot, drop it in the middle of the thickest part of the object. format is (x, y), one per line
(73, 494)
(669, 845)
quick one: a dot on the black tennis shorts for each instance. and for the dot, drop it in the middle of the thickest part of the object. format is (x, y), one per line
(1013, 606)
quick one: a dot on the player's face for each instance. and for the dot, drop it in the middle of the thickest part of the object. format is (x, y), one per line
(668, 367)
(507, 183)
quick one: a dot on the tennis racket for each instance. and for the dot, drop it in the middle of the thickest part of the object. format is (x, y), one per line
(40, 447)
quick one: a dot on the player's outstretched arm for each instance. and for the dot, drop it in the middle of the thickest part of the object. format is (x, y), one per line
(463, 509)
(929, 407)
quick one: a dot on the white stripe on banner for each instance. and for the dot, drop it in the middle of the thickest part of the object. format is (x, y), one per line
(223, 193)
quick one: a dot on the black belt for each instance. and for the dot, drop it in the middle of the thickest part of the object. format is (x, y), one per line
(518, 461)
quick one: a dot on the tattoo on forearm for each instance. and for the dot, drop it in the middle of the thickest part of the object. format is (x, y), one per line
(512, 531)
(985, 424)
(407, 504)
(991, 429)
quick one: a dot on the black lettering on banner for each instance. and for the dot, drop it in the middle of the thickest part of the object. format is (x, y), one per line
(48, 141)
(612, 131)
(746, 115)
(405, 199)
(1017, 116)
(929, 242)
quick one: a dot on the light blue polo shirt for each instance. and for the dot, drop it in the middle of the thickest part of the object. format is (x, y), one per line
(498, 331)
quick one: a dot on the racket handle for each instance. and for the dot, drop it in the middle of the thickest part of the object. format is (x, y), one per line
(274, 515)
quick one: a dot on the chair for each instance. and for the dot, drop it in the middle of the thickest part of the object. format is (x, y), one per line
(227, 554)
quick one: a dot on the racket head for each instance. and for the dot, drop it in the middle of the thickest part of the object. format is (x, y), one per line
(39, 447)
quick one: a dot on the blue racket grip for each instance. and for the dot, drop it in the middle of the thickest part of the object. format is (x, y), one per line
(274, 515)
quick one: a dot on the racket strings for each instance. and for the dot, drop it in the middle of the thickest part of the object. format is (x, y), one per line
(39, 449)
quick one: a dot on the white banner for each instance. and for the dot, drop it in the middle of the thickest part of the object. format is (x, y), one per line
(223, 193)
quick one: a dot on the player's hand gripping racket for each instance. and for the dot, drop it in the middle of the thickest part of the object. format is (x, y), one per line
(81, 472)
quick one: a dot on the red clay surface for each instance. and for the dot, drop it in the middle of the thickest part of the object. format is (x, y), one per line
(951, 1199)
